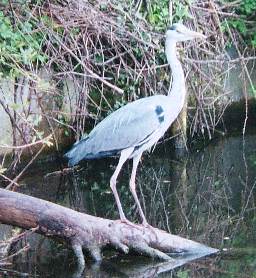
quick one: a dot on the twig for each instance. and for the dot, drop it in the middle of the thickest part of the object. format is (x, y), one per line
(94, 75)
(42, 141)
(14, 181)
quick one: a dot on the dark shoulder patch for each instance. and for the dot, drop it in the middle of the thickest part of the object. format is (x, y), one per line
(159, 110)
(161, 119)
(160, 113)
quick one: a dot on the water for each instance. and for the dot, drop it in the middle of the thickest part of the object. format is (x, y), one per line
(208, 196)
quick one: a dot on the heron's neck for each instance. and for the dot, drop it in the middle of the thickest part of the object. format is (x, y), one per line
(178, 90)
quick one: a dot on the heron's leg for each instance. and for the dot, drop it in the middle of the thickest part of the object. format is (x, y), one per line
(136, 161)
(123, 157)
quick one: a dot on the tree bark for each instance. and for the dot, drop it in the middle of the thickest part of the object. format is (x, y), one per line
(83, 231)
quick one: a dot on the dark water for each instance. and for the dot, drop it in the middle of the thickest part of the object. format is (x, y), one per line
(208, 196)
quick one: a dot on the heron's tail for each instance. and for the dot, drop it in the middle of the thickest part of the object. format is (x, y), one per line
(85, 149)
(77, 153)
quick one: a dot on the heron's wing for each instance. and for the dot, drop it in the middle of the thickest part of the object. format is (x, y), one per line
(128, 126)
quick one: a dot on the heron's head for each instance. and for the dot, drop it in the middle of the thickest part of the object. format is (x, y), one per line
(178, 32)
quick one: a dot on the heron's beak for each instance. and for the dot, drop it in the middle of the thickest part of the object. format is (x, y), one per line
(195, 35)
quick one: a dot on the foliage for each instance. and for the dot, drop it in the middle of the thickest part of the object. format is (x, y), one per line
(182, 274)
(245, 21)
(20, 45)
(158, 12)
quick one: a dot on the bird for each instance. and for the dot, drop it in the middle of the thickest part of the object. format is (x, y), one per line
(138, 125)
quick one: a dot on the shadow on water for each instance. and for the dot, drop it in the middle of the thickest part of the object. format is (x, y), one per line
(208, 196)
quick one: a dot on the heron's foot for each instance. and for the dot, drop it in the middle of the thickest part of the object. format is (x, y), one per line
(145, 224)
(127, 222)
(148, 226)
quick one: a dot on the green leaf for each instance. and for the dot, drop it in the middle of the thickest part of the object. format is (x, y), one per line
(2, 170)
(15, 106)
(5, 31)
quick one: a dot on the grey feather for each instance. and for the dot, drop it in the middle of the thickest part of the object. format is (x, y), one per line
(127, 127)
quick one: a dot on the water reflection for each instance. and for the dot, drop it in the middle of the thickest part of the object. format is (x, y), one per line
(207, 196)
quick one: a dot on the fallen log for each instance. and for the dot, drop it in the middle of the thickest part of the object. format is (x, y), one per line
(83, 231)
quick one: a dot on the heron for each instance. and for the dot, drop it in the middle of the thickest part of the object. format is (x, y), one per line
(137, 126)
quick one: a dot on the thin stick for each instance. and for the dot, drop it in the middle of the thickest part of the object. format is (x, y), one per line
(14, 181)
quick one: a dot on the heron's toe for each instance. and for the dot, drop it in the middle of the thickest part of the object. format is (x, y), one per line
(127, 222)
(146, 225)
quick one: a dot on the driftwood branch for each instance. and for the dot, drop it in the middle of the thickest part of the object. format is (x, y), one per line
(83, 231)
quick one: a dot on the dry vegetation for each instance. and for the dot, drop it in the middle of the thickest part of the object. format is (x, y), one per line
(111, 53)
